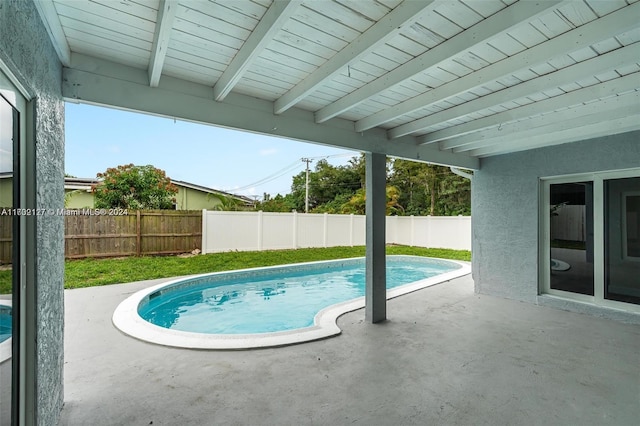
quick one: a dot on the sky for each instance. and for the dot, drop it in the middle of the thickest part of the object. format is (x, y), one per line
(238, 162)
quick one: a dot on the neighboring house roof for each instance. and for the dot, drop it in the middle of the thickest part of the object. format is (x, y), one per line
(79, 183)
(86, 183)
(241, 198)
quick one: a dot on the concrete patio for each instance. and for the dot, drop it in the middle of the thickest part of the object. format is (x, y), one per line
(446, 356)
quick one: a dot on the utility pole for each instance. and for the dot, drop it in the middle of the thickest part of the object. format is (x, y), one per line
(306, 188)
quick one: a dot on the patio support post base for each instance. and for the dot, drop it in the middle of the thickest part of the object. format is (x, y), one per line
(376, 278)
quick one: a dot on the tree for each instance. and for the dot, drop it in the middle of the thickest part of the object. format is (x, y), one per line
(276, 204)
(326, 183)
(430, 189)
(357, 204)
(454, 196)
(134, 187)
(413, 188)
(227, 203)
(335, 206)
(407, 176)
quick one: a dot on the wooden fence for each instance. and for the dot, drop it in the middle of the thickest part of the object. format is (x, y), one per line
(159, 232)
(138, 233)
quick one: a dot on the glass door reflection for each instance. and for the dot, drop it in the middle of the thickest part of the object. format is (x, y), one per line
(622, 239)
(571, 235)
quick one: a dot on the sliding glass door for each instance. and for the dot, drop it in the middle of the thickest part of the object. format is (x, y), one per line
(10, 105)
(571, 230)
(590, 238)
(622, 239)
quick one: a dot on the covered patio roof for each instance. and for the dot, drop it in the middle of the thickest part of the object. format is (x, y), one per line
(447, 82)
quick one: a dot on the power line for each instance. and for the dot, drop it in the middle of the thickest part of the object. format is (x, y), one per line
(271, 177)
(289, 168)
(330, 156)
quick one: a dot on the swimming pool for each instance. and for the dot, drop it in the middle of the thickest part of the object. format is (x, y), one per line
(267, 306)
(5, 330)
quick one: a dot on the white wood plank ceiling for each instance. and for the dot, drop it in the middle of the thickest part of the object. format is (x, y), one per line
(446, 81)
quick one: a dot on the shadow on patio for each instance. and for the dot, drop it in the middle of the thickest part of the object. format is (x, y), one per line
(446, 356)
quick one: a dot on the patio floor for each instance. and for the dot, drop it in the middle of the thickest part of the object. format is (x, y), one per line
(446, 356)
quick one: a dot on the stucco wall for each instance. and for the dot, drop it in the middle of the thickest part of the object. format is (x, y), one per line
(190, 199)
(25, 47)
(6, 192)
(505, 206)
(79, 199)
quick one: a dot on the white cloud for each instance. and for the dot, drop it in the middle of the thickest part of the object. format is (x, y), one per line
(268, 151)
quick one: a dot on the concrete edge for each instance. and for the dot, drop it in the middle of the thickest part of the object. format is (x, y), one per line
(606, 312)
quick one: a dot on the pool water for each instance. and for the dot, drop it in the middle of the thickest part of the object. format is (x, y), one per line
(275, 300)
(5, 322)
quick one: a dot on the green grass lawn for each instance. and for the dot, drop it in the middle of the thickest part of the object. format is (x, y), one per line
(575, 245)
(94, 272)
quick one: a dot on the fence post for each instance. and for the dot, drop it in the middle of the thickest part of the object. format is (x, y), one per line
(203, 242)
(351, 230)
(260, 236)
(138, 234)
(295, 230)
(413, 231)
(393, 230)
(325, 236)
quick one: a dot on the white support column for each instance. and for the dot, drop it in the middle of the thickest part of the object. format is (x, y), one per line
(376, 277)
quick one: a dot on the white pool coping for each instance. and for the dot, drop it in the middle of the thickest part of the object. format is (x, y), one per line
(127, 319)
(5, 347)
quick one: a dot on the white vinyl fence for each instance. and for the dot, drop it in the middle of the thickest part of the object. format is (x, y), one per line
(244, 231)
(569, 223)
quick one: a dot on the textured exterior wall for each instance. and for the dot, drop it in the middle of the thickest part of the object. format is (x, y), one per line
(79, 199)
(505, 207)
(6, 192)
(25, 47)
(191, 199)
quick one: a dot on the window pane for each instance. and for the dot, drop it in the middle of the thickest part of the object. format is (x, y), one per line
(571, 234)
(622, 240)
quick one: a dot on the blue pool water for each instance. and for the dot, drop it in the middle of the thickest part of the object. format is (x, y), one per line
(5, 322)
(274, 299)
